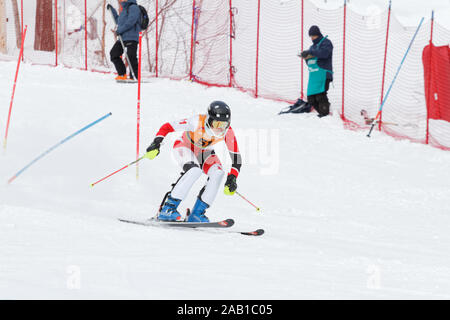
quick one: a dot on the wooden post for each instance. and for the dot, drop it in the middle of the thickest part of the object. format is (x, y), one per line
(17, 23)
(44, 36)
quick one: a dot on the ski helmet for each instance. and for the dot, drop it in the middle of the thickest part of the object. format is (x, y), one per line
(218, 119)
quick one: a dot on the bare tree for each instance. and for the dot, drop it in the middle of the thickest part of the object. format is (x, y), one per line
(3, 47)
(17, 23)
(44, 39)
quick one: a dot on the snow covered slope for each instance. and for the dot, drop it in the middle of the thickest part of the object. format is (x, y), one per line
(345, 216)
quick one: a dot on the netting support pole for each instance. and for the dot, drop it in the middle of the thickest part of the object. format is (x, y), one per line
(429, 80)
(257, 49)
(56, 33)
(21, 19)
(191, 60)
(343, 62)
(384, 63)
(138, 120)
(85, 36)
(231, 44)
(395, 78)
(302, 48)
(157, 39)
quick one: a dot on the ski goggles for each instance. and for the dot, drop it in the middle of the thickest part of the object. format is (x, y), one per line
(216, 124)
(219, 127)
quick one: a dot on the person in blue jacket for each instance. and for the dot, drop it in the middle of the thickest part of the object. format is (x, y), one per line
(128, 27)
(319, 59)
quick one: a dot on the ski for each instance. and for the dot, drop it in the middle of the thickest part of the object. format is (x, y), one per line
(154, 222)
(255, 233)
(224, 224)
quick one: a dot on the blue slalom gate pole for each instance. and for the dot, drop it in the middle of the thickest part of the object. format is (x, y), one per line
(57, 145)
(395, 78)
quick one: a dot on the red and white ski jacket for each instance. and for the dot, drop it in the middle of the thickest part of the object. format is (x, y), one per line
(195, 137)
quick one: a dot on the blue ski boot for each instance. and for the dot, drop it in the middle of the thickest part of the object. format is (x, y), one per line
(169, 210)
(198, 212)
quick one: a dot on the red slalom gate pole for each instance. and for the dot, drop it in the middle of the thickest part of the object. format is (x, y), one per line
(111, 174)
(138, 121)
(14, 86)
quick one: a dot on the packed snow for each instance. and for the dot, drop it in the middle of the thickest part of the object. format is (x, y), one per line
(345, 216)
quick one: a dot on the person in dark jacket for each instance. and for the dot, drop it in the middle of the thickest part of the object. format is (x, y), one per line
(128, 27)
(319, 59)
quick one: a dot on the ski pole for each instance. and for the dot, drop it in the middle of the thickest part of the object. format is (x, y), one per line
(57, 145)
(240, 195)
(124, 48)
(395, 78)
(123, 168)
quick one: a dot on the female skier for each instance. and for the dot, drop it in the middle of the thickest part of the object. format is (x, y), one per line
(194, 152)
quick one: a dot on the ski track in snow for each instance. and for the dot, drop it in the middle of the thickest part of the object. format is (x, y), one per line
(345, 216)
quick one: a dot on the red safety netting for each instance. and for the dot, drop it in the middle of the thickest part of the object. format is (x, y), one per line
(211, 42)
(436, 62)
(437, 80)
(253, 46)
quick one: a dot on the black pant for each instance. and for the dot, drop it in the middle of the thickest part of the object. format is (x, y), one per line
(320, 101)
(116, 53)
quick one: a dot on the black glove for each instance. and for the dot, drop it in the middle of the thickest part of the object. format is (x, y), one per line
(108, 7)
(230, 185)
(156, 144)
(304, 54)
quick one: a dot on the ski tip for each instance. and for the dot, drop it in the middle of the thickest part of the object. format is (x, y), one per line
(227, 223)
(258, 232)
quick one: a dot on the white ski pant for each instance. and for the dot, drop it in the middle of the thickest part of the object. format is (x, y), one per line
(194, 168)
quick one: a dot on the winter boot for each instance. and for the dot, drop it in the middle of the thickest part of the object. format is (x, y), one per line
(198, 212)
(169, 210)
(124, 77)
